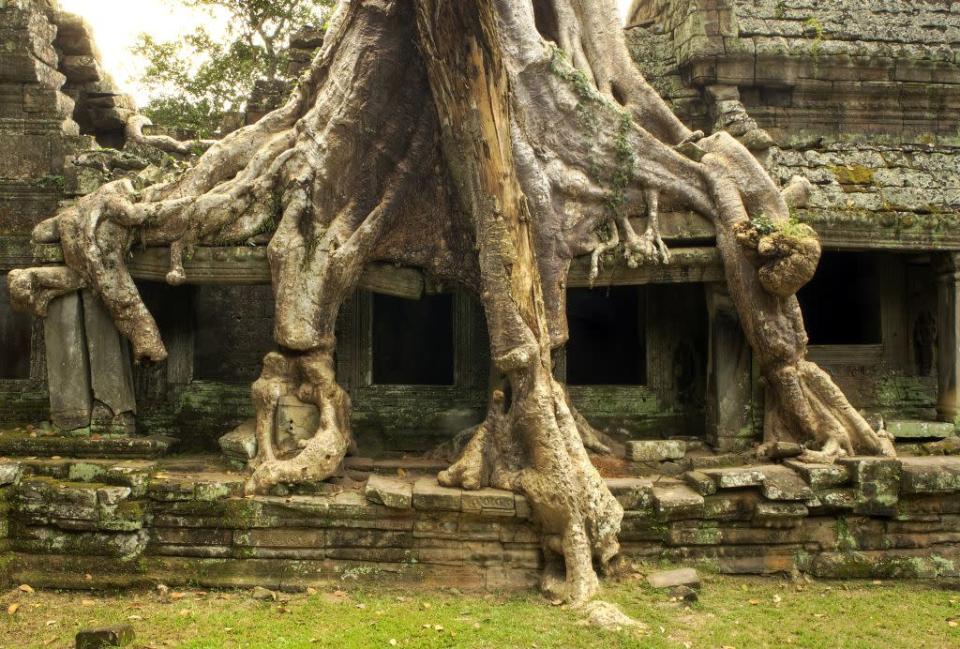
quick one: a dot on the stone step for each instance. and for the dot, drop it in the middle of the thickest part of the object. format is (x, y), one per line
(915, 429)
(20, 443)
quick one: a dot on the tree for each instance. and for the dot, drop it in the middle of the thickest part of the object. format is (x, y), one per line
(198, 79)
(520, 135)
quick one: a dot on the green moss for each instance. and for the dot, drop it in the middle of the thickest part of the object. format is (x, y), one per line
(854, 174)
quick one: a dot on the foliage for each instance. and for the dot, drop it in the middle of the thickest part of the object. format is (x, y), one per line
(197, 80)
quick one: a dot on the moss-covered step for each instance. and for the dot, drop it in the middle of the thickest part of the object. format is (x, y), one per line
(25, 444)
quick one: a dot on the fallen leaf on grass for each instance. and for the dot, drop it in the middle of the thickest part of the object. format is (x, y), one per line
(25, 588)
(13, 608)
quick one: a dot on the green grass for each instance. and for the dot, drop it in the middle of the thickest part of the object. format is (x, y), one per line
(747, 613)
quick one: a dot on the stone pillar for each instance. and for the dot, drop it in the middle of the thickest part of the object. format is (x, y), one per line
(729, 375)
(948, 336)
(68, 369)
(111, 373)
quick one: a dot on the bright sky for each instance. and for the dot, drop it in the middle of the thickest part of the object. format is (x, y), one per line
(117, 23)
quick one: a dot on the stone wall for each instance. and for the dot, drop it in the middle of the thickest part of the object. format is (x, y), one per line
(86, 524)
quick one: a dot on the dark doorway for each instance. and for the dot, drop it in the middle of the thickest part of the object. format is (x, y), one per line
(841, 305)
(15, 333)
(607, 336)
(413, 340)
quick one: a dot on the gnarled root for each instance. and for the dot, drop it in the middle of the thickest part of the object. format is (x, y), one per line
(312, 374)
(804, 398)
(32, 289)
(578, 516)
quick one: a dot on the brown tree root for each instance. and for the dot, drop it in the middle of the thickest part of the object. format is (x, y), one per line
(311, 377)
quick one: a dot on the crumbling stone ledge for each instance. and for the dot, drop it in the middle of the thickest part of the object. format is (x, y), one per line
(120, 523)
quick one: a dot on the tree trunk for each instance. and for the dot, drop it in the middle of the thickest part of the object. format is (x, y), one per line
(489, 143)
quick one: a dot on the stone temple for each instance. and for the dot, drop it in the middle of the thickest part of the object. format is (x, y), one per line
(133, 473)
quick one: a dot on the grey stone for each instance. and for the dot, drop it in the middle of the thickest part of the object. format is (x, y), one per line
(700, 482)
(737, 477)
(781, 483)
(656, 450)
(677, 501)
(109, 356)
(10, 473)
(488, 502)
(820, 476)
(116, 636)
(670, 578)
(240, 444)
(428, 494)
(68, 369)
(296, 422)
(902, 429)
(390, 492)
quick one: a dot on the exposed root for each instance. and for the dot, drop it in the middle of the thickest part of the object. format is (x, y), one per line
(134, 132)
(313, 377)
(32, 289)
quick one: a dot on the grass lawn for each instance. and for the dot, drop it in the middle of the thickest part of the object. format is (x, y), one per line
(742, 613)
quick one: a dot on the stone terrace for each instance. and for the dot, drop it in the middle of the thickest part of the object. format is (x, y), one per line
(99, 523)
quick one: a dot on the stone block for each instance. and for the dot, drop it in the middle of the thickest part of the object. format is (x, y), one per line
(912, 429)
(781, 483)
(10, 473)
(68, 369)
(677, 501)
(656, 450)
(109, 357)
(930, 475)
(390, 492)
(820, 476)
(877, 484)
(429, 495)
(488, 502)
(670, 578)
(240, 444)
(700, 482)
(296, 422)
(777, 511)
(107, 638)
(737, 477)
(634, 494)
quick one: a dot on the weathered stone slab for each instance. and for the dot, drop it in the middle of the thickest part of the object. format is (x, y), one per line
(240, 444)
(776, 511)
(877, 484)
(781, 483)
(670, 578)
(109, 356)
(118, 636)
(700, 482)
(820, 476)
(296, 422)
(737, 477)
(656, 450)
(677, 501)
(429, 495)
(632, 493)
(929, 475)
(68, 369)
(913, 429)
(488, 502)
(391, 492)
(10, 473)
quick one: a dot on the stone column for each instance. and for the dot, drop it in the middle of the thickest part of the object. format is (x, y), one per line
(948, 336)
(729, 375)
(111, 373)
(68, 368)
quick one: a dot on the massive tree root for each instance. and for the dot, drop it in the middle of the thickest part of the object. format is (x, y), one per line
(488, 143)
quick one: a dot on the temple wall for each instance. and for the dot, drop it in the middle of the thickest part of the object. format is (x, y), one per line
(98, 524)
